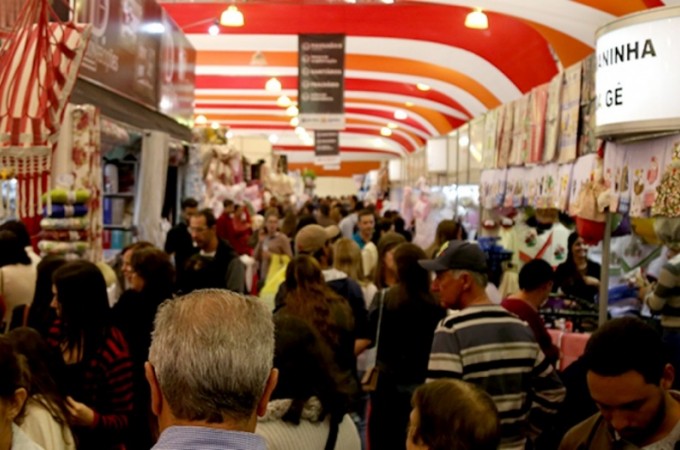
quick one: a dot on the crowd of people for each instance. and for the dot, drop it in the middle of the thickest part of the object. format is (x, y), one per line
(370, 342)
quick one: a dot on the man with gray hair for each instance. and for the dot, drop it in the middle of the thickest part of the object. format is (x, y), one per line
(211, 371)
(484, 344)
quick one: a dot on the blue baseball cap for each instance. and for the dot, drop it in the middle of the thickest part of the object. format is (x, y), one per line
(457, 255)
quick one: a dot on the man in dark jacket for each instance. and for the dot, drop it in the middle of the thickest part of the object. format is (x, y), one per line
(178, 242)
(629, 378)
(222, 267)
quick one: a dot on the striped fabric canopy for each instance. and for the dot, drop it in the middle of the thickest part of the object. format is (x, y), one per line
(38, 68)
(394, 47)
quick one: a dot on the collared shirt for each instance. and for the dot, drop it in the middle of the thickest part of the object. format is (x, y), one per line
(204, 438)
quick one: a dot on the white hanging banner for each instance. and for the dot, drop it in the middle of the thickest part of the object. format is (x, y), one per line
(638, 61)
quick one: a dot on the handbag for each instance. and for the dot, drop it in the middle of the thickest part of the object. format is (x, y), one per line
(369, 382)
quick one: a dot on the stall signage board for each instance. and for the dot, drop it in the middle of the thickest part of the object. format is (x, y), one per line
(123, 53)
(326, 148)
(437, 157)
(177, 67)
(638, 61)
(321, 81)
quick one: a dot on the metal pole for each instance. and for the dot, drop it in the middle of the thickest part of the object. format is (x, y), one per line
(604, 270)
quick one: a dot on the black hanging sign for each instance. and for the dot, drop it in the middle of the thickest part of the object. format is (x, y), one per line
(326, 148)
(321, 81)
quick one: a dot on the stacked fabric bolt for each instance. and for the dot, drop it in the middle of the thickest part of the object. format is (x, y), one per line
(65, 222)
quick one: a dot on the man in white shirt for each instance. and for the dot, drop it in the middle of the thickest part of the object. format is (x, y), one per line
(369, 252)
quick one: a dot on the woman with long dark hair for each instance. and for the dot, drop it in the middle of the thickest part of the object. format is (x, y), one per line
(41, 315)
(151, 276)
(309, 298)
(46, 418)
(447, 230)
(17, 277)
(386, 270)
(308, 408)
(99, 377)
(578, 276)
(409, 316)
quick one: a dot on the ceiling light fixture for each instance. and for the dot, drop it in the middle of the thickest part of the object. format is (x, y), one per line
(392, 125)
(423, 87)
(400, 114)
(201, 120)
(230, 134)
(294, 122)
(232, 17)
(215, 125)
(273, 85)
(409, 104)
(385, 131)
(214, 30)
(292, 111)
(477, 20)
(283, 101)
(273, 138)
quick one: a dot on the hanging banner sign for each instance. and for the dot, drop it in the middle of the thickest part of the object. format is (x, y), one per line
(638, 61)
(123, 52)
(321, 81)
(326, 148)
(177, 67)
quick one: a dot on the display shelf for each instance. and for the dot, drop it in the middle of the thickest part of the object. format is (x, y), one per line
(119, 227)
(120, 195)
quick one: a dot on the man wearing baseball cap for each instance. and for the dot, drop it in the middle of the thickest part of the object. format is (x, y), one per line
(482, 343)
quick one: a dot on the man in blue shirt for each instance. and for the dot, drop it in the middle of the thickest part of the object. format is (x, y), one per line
(211, 371)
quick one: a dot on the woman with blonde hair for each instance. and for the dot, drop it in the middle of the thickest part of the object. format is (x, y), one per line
(347, 258)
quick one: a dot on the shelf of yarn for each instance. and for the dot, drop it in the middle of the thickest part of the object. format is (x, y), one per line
(64, 224)
(120, 195)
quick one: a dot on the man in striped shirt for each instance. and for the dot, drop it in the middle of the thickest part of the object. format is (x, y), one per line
(482, 343)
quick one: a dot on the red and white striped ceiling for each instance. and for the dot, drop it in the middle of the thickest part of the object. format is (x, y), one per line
(390, 48)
